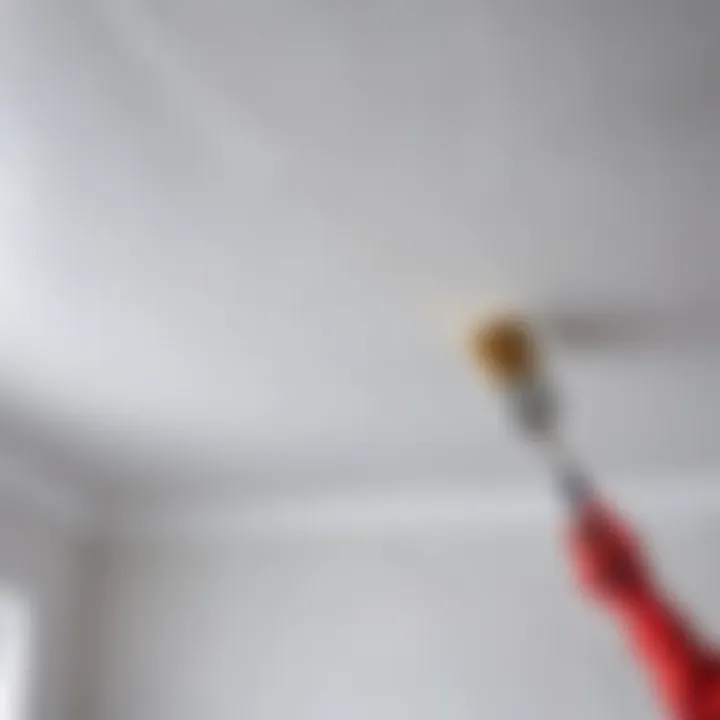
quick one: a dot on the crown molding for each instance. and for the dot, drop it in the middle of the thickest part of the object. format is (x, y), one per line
(466, 507)
(48, 498)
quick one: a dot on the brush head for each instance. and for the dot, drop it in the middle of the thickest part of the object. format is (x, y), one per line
(505, 350)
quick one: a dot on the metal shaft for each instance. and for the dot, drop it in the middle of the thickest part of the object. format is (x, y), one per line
(534, 406)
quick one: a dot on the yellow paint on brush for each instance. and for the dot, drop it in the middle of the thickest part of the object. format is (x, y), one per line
(504, 349)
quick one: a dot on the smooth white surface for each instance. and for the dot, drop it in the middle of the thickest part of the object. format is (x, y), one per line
(235, 234)
(383, 624)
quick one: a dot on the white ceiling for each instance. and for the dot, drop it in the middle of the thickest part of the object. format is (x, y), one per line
(237, 235)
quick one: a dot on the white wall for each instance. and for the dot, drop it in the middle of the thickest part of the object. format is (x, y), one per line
(41, 558)
(417, 624)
